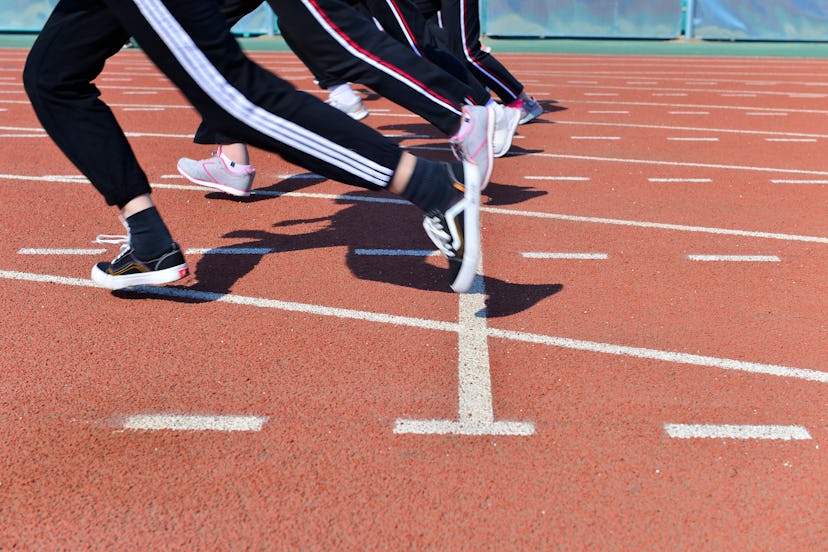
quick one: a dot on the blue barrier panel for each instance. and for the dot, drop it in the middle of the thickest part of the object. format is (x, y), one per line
(761, 19)
(258, 22)
(584, 18)
(23, 15)
(30, 15)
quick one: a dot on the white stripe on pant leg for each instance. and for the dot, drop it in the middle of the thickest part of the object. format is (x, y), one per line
(468, 55)
(210, 80)
(412, 41)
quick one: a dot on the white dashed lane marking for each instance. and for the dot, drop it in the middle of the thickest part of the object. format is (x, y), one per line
(563, 255)
(726, 431)
(736, 258)
(192, 422)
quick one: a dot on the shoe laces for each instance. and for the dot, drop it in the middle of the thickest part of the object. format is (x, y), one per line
(435, 227)
(117, 239)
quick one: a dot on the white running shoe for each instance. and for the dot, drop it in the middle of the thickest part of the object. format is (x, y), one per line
(356, 110)
(506, 123)
(456, 230)
(219, 173)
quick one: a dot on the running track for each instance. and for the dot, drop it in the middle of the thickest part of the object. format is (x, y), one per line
(644, 364)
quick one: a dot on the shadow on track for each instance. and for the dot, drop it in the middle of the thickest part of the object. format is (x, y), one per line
(359, 226)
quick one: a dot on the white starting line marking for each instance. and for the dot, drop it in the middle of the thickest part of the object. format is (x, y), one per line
(711, 431)
(191, 422)
(583, 256)
(737, 258)
(805, 374)
(475, 404)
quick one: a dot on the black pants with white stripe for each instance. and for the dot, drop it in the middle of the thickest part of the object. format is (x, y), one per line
(335, 38)
(189, 40)
(461, 22)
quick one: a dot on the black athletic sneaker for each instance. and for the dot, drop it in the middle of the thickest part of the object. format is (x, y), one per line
(128, 270)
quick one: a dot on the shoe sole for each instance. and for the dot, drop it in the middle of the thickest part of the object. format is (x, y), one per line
(510, 134)
(530, 116)
(154, 278)
(471, 215)
(214, 185)
(359, 115)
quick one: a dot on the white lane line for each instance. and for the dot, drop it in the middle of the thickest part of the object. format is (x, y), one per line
(728, 431)
(555, 255)
(140, 92)
(509, 212)
(192, 422)
(737, 95)
(688, 113)
(790, 139)
(681, 164)
(687, 180)
(658, 225)
(475, 403)
(618, 104)
(783, 181)
(670, 94)
(561, 178)
(398, 252)
(563, 342)
(664, 356)
(46, 251)
(694, 129)
(736, 258)
(766, 114)
(143, 109)
(691, 139)
(530, 214)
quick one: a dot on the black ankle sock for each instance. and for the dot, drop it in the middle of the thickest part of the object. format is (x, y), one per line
(431, 185)
(149, 236)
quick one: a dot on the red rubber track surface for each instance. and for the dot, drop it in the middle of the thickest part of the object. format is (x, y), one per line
(590, 363)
